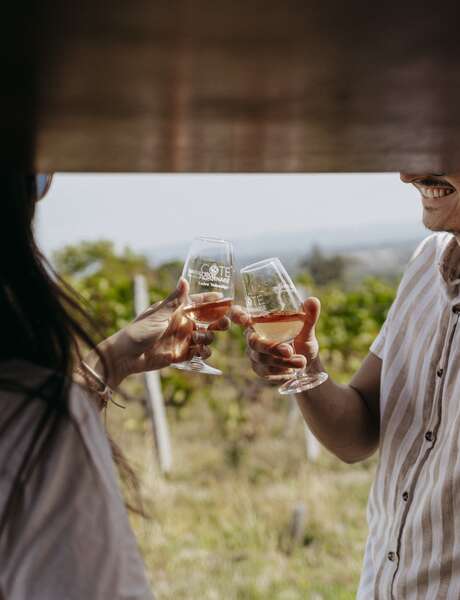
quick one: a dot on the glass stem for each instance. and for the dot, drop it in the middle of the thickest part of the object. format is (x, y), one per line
(299, 373)
(200, 328)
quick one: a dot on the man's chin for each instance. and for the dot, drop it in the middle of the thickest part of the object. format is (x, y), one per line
(435, 225)
(431, 222)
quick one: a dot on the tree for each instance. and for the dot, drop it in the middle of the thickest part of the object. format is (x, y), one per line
(325, 269)
(104, 279)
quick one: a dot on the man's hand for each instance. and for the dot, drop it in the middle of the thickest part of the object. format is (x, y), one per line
(276, 361)
(161, 335)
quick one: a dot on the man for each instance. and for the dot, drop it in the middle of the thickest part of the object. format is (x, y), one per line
(404, 400)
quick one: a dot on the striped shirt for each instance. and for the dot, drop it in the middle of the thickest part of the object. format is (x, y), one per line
(413, 548)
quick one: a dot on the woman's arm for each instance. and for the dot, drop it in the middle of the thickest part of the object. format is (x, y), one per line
(160, 336)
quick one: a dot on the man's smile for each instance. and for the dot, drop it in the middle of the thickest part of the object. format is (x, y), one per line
(433, 188)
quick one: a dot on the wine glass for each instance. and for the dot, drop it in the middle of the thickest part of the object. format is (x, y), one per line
(209, 272)
(276, 313)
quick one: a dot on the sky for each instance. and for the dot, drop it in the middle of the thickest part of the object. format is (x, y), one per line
(149, 211)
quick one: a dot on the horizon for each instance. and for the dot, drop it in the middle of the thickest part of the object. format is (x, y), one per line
(151, 213)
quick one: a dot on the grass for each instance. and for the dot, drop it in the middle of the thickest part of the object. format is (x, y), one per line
(219, 532)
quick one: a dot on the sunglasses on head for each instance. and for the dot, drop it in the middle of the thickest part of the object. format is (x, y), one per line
(42, 184)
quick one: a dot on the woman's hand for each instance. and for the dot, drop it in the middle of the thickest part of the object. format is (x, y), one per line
(161, 335)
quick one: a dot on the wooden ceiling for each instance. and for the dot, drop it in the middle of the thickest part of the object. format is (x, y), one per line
(231, 86)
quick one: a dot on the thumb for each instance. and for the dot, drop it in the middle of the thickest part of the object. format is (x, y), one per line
(182, 290)
(239, 316)
(312, 310)
(175, 299)
(178, 296)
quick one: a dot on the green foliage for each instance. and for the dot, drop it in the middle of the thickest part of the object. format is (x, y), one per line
(350, 320)
(104, 279)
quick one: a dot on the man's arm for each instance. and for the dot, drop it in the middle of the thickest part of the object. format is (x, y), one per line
(345, 418)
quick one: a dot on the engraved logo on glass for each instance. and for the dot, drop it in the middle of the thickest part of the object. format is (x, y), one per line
(212, 275)
(277, 297)
(256, 303)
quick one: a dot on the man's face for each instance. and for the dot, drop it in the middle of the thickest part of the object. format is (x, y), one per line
(440, 195)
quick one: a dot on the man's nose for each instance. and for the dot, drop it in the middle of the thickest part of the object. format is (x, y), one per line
(409, 177)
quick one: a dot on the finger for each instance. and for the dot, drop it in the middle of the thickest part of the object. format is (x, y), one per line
(296, 361)
(202, 339)
(203, 351)
(268, 372)
(175, 299)
(312, 310)
(258, 344)
(179, 326)
(178, 296)
(205, 297)
(239, 316)
(151, 309)
(221, 325)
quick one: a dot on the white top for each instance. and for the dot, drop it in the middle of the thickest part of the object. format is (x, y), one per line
(73, 540)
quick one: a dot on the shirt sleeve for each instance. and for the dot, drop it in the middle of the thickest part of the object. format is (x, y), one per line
(426, 246)
(73, 539)
(378, 345)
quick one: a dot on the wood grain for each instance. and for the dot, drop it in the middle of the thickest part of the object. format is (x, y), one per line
(231, 86)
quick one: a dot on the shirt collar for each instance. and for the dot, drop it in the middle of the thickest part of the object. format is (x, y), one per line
(449, 267)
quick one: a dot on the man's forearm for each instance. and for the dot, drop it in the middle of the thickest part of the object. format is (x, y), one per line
(341, 419)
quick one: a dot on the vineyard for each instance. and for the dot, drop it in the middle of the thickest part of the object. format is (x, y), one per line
(223, 524)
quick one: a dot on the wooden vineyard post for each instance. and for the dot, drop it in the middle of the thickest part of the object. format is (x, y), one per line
(312, 446)
(152, 382)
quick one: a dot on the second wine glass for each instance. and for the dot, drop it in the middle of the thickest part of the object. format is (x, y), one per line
(209, 272)
(277, 316)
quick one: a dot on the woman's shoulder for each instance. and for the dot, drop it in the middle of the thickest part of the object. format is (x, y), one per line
(78, 447)
(72, 495)
(27, 391)
(22, 380)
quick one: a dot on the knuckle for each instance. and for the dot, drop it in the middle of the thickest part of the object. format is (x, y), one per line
(257, 357)
(252, 344)
(224, 323)
(250, 334)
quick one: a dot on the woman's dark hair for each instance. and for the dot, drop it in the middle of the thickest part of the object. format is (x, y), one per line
(41, 322)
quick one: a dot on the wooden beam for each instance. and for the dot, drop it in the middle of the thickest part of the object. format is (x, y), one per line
(240, 86)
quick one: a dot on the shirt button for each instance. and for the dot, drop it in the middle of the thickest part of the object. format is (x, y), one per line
(405, 496)
(392, 556)
(429, 436)
(439, 372)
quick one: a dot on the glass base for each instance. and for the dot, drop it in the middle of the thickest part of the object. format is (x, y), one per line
(196, 366)
(303, 383)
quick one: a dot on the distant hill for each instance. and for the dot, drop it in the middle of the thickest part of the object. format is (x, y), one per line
(380, 249)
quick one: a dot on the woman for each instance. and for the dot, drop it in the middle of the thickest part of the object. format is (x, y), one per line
(64, 531)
